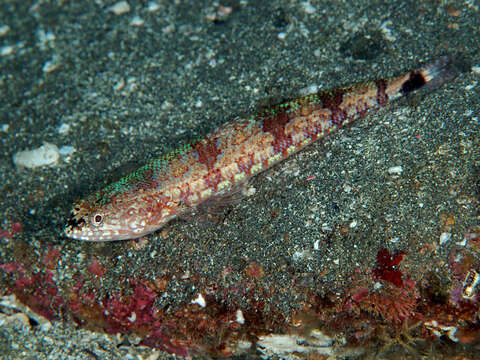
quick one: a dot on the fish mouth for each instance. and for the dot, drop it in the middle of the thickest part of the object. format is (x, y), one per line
(74, 233)
(85, 234)
(68, 232)
(78, 234)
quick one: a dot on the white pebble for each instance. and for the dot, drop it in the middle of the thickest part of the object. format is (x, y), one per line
(312, 89)
(153, 6)
(119, 8)
(6, 50)
(66, 150)
(326, 227)
(395, 170)
(137, 21)
(239, 317)
(132, 317)
(4, 29)
(166, 105)
(51, 65)
(444, 237)
(45, 37)
(119, 85)
(63, 129)
(387, 32)
(282, 35)
(200, 300)
(45, 155)
(5, 127)
(308, 8)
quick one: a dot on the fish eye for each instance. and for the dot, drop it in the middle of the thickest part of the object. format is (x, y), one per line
(97, 219)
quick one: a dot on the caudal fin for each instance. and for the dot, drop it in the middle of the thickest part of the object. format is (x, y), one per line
(431, 76)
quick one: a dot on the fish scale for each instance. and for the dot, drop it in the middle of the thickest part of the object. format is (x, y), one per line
(145, 200)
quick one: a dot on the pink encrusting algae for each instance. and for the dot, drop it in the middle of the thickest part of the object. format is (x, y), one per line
(373, 309)
(218, 164)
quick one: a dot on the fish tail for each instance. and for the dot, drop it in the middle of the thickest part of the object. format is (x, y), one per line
(430, 76)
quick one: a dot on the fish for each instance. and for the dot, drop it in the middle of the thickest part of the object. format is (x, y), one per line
(216, 165)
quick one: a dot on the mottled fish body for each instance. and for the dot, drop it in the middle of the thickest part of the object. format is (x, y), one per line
(145, 200)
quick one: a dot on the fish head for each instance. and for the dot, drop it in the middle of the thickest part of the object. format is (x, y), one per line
(129, 216)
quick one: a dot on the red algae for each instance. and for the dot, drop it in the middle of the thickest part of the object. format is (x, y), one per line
(10, 233)
(386, 268)
(96, 269)
(16, 227)
(50, 259)
(379, 305)
(254, 271)
(37, 290)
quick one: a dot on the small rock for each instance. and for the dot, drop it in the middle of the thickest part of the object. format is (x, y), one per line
(153, 6)
(51, 65)
(444, 237)
(200, 300)
(63, 128)
(119, 8)
(45, 155)
(308, 8)
(4, 29)
(395, 170)
(137, 21)
(239, 317)
(6, 50)
(66, 150)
